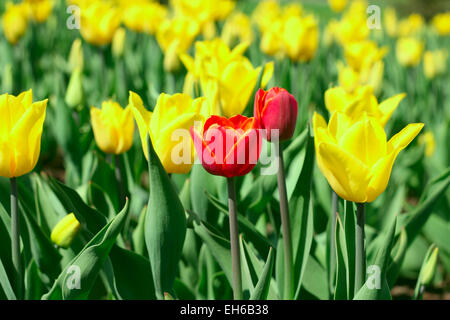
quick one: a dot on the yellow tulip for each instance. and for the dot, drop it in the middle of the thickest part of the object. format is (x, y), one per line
(301, 38)
(265, 14)
(271, 39)
(353, 24)
(170, 121)
(360, 102)
(238, 29)
(14, 21)
(113, 127)
(363, 54)
(355, 157)
(409, 51)
(337, 5)
(411, 26)
(118, 42)
(99, 22)
(21, 125)
(175, 37)
(144, 16)
(441, 23)
(40, 10)
(390, 22)
(65, 231)
(429, 141)
(435, 63)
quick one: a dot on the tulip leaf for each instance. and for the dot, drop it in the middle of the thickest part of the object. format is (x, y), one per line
(134, 285)
(400, 248)
(200, 182)
(165, 226)
(350, 245)
(78, 277)
(5, 250)
(376, 286)
(341, 289)
(315, 280)
(300, 208)
(5, 284)
(93, 220)
(262, 287)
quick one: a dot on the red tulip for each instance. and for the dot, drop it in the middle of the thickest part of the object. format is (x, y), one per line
(228, 147)
(276, 109)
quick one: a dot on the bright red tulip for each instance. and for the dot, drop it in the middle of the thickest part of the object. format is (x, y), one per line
(276, 109)
(228, 147)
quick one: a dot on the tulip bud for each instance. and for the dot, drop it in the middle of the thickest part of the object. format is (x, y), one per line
(276, 109)
(118, 42)
(76, 59)
(65, 231)
(429, 268)
(74, 93)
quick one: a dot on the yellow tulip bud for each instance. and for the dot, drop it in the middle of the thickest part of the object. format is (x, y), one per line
(65, 231)
(21, 126)
(118, 42)
(144, 17)
(14, 21)
(40, 10)
(429, 268)
(301, 38)
(390, 22)
(337, 5)
(237, 28)
(409, 51)
(355, 157)
(76, 57)
(113, 127)
(74, 92)
(435, 63)
(99, 22)
(429, 141)
(441, 23)
(411, 26)
(169, 126)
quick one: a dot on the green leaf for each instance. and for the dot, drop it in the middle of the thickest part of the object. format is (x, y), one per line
(132, 275)
(350, 246)
(300, 208)
(370, 291)
(315, 280)
(341, 289)
(262, 287)
(4, 282)
(400, 251)
(165, 226)
(200, 182)
(89, 262)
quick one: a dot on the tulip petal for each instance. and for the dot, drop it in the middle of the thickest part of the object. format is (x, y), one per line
(336, 99)
(346, 174)
(404, 137)
(388, 106)
(365, 140)
(379, 176)
(142, 117)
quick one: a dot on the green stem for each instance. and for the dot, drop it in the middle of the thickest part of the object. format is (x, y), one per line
(334, 205)
(234, 240)
(15, 239)
(360, 268)
(119, 178)
(286, 225)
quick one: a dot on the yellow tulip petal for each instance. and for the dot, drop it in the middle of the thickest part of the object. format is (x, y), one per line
(336, 99)
(379, 176)
(105, 135)
(404, 137)
(365, 140)
(346, 174)
(142, 117)
(388, 106)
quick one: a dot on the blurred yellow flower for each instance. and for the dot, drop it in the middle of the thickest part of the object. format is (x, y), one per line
(362, 54)
(441, 23)
(237, 29)
(170, 121)
(355, 157)
(65, 231)
(352, 26)
(118, 42)
(272, 41)
(113, 127)
(409, 51)
(145, 16)
(435, 63)
(429, 141)
(99, 22)
(40, 10)
(265, 14)
(390, 21)
(411, 26)
(175, 37)
(21, 127)
(337, 5)
(14, 21)
(301, 37)
(76, 57)
(361, 101)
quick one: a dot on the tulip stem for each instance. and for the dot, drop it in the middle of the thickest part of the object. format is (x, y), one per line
(119, 178)
(286, 225)
(360, 268)
(234, 240)
(15, 239)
